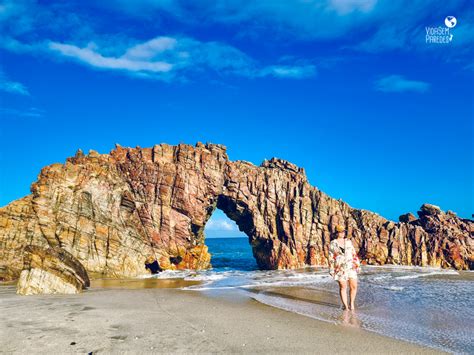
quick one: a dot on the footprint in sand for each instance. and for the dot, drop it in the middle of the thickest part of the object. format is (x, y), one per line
(119, 337)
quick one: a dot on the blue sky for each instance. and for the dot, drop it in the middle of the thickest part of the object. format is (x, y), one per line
(349, 90)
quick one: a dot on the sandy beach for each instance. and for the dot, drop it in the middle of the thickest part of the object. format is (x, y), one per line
(123, 318)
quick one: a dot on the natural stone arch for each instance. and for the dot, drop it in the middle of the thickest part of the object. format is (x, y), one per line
(260, 199)
(241, 215)
(117, 212)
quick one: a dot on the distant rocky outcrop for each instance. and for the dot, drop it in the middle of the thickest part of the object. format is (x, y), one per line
(137, 210)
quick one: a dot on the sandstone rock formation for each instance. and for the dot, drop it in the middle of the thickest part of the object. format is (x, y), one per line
(49, 271)
(139, 209)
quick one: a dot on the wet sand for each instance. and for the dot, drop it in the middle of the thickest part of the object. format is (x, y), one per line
(124, 318)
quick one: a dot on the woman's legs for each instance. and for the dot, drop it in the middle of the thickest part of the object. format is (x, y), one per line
(343, 292)
(353, 291)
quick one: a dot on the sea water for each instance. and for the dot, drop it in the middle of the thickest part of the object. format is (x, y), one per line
(432, 307)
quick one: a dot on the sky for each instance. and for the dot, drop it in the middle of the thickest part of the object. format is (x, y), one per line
(353, 91)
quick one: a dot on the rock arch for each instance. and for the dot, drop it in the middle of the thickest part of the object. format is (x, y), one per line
(118, 212)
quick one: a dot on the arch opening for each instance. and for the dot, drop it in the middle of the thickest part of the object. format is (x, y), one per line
(229, 247)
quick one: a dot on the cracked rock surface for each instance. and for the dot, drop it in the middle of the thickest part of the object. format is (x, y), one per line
(134, 210)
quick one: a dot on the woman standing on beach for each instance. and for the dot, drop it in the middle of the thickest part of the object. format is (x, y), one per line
(344, 266)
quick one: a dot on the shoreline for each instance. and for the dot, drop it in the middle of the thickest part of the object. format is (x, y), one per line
(170, 320)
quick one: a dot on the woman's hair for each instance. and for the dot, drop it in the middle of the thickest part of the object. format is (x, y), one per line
(339, 228)
(334, 235)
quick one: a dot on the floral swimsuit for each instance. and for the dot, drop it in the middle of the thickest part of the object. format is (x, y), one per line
(343, 262)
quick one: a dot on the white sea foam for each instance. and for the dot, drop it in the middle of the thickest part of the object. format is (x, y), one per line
(173, 274)
(204, 277)
(396, 268)
(394, 288)
(418, 275)
(204, 288)
(243, 279)
(382, 278)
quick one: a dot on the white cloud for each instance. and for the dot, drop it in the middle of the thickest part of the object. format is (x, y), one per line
(12, 87)
(289, 71)
(221, 225)
(31, 112)
(294, 18)
(149, 49)
(168, 57)
(164, 56)
(91, 56)
(362, 25)
(344, 7)
(397, 83)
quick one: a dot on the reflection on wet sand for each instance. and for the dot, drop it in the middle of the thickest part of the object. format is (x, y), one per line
(292, 294)
(142, 283)
(346, 317)
(351, 318)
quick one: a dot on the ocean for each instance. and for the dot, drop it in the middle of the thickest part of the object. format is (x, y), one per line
(428, 306)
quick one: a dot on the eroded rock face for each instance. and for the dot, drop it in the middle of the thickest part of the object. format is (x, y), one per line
(290, 223)
(49, 271)
(122, 212)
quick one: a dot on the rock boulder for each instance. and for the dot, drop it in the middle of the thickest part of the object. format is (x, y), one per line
(49, 271)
